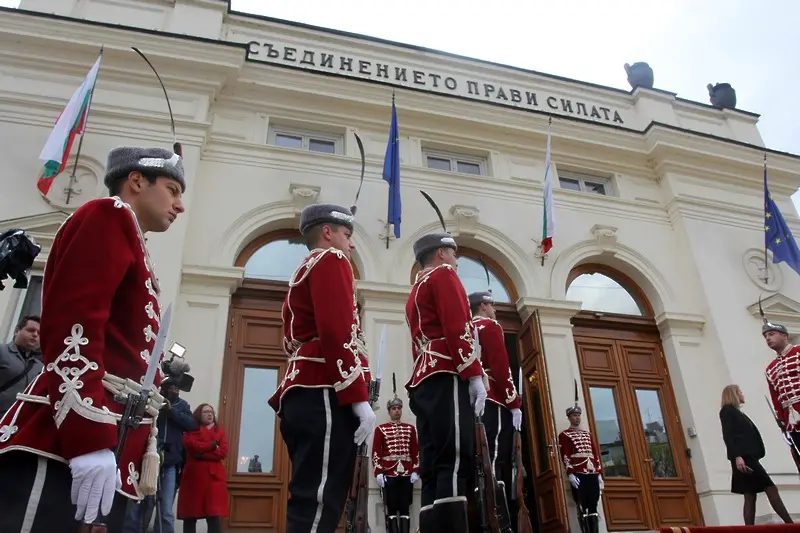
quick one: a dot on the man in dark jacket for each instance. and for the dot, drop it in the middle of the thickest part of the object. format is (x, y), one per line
(20, 361)
(175, 419)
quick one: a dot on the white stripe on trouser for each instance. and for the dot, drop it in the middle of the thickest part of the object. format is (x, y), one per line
(326, 452)
(456, 418)
(497, 440)
(36, 495)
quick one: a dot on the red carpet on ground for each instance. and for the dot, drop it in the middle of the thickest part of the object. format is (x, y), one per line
(765, 528)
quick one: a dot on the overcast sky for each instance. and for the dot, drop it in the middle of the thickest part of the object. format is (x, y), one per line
(688, 43)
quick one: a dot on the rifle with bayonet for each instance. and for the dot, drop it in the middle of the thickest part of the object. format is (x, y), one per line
(485, 482)
(135, 409)
(356, 507)
(523, 516)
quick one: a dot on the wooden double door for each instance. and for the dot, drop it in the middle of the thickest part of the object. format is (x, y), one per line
(632, 412)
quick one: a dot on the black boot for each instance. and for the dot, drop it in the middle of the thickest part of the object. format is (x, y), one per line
(592, 523)
(393, 527)
(451, 514)
(503, 514)
(428, 522)
(405, 524)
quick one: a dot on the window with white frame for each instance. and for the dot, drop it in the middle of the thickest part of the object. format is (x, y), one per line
(584, 183)
(465, 164)
(285, 137)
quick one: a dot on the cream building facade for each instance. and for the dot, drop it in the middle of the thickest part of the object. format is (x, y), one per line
(659, 204)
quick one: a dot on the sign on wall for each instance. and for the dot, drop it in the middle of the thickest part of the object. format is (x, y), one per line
(435, 82)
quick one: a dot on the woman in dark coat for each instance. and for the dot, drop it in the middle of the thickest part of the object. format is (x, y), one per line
(745, 448)
(204, 492)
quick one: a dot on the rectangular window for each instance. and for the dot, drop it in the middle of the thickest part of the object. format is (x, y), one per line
(464, 164)
(584, 183)
(285, 137)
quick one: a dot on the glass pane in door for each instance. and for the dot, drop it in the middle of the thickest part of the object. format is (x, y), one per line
(257, 425)
(655, 434)
(609, 433)
(535, 398)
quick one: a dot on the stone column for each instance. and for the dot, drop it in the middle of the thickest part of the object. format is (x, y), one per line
(383, 305)
(201, 323)
(697, 378)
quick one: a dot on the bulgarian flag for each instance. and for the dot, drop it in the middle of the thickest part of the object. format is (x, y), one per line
(69, 124)
(549, 219)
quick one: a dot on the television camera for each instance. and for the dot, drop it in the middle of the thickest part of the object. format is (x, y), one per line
(17, 252)
(177, 369)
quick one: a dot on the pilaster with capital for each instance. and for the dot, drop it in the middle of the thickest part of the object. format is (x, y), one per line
(200, 323)
(383, 305)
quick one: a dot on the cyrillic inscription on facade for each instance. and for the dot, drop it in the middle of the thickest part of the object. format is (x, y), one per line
(405, 76)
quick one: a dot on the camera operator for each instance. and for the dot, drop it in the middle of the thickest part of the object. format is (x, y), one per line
(174, 419)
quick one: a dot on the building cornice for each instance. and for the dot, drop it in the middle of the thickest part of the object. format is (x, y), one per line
(204, 279)
(233, 18)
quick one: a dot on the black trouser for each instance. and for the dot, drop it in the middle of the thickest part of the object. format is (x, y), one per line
(318, 433)
(795, 436)
(587, 494)
(35, 497)
(399, 493)
(213, 525)
(498, 422)
(446, 433)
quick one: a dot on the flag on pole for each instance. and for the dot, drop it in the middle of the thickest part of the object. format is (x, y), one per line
(391, 173)
(548, 218)
(778, 236)
(70, 123)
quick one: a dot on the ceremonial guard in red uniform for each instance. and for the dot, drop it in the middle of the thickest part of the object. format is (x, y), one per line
(783, 379)
(447, 387)
(100, 318)
(582, 462)
(503, 414)
(322, 400)
(395, 457)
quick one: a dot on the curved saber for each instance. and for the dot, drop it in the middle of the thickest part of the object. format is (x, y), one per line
(177, 148)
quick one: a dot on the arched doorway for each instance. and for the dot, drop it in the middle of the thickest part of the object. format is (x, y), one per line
(630, 404)
(258, 465)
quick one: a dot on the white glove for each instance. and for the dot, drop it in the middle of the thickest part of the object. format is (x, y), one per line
(477, 394)
(381, 479)
(414, 477)
(366, 416)
(575, 482)
(95, 478)
(516, 417)
(600, 481)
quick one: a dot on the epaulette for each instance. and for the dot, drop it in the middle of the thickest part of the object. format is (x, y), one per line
(313, 260)
(427, 273)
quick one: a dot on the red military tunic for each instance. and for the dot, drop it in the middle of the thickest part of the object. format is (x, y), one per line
(395, 450)
(494, 359)
(783, 378)
(438, 315)
(322, 331)
(100, 319)
(579, 452)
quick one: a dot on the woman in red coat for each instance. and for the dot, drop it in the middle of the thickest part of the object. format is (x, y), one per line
(203, 492)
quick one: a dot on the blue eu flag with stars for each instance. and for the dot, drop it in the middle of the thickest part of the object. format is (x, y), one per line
(778, 237)
(391, 173)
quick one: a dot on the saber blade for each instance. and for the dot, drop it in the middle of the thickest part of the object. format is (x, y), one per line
(155, 355)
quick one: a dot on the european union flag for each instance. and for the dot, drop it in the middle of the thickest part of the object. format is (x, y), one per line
(778, 237)
(391, 173)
